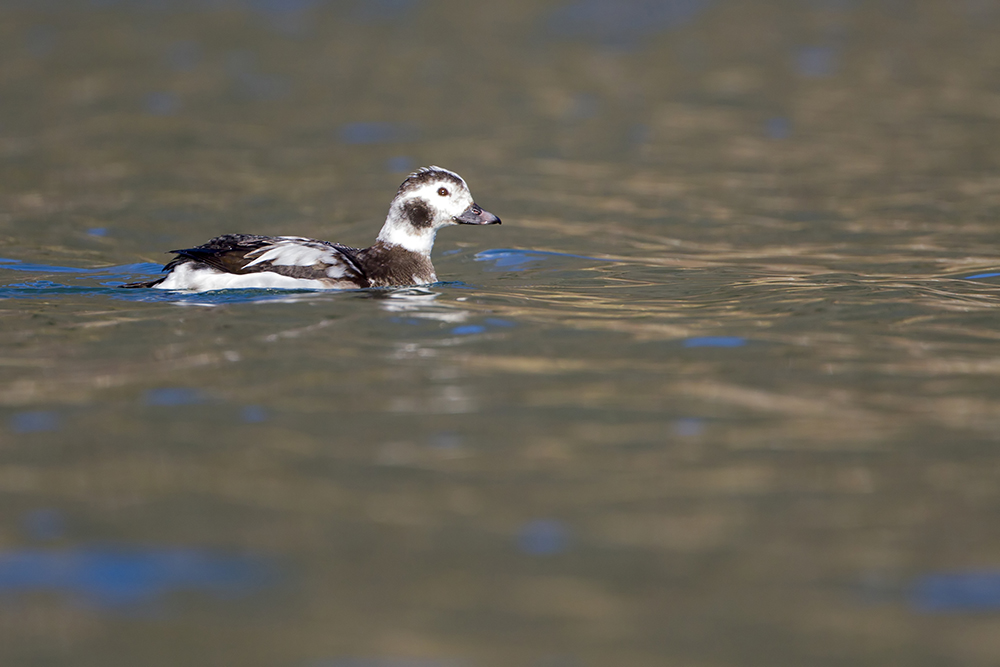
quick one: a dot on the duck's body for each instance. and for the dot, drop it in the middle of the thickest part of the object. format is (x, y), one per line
(247, 260)
(428, 199)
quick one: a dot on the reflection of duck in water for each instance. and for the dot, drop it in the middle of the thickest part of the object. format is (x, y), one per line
(430, 198)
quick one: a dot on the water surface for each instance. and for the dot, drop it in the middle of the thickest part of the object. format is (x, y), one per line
(722, 390)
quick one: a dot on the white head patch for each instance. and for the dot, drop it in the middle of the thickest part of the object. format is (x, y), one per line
(428, 199)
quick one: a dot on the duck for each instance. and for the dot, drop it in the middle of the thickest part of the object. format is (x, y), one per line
(430, 198)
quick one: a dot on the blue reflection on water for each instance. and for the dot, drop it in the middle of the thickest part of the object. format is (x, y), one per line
(44, 524)
(715, 341)
(40, 41)
(283, 6)
(512, 259)
(639, 135)
(583, 107)
(981, 11)
(34, 421)
(18, 265)
(956, 592)
(376, 133)
(832, 5)
(688, 427)
(778, 128)
(621, 22)
(399, 164)
(386, 662)
(468, 329)
(170, 396)
(543, 537)
(289, 16)
(241, 66)
(183, 56)
(116, 578)
(371, 11)
(446, 441)
(161, 103)
(816, 61)
(254, 414)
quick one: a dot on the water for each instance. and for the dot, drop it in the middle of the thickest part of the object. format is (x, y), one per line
(722, 390)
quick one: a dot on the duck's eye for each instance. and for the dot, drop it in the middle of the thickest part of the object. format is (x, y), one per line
(443, 192)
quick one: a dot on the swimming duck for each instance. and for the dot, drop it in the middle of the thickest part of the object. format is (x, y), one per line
(429, 199)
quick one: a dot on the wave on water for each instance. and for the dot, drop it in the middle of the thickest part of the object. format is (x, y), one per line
(44, 281)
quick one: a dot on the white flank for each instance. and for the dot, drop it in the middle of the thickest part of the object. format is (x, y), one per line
(184, 277)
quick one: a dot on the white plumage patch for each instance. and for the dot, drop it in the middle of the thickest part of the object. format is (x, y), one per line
(296, 251)
(442, 200)
(406, 236)
(200, 278)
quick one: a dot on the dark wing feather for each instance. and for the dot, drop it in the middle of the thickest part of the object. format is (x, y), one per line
(226, 253)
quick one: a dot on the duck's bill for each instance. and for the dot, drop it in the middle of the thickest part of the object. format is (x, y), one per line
(476, 216)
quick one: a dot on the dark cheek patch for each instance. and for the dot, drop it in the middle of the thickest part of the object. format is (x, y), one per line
(418, 213)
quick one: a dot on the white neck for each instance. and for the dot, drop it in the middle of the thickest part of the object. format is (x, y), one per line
(403, 235)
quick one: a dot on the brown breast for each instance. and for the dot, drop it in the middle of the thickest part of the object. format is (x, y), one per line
(391, 266)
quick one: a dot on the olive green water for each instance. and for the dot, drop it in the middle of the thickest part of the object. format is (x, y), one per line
(719, 392)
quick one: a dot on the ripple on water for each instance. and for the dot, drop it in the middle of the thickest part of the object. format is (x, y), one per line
(107, 281)
(512, 259)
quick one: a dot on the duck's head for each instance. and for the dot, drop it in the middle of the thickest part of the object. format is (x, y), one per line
(429, 199)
